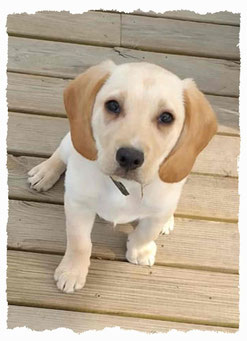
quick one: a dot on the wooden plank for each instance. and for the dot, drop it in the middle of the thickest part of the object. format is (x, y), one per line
(169, 293)
(45, 133)
(90, 27)
(194, 243)
(58, 59)
(224, 18)
(219, 157)
(26, 93)
(42, 319)
(179, 36)
(210, 197)
(68, 60)
(196, 199)
(41, 95)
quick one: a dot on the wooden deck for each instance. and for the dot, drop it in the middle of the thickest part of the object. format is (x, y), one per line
(194, 283)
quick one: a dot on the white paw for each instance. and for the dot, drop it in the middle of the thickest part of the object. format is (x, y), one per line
(169, 226)
(142, 256)
(70, 275)
(43, 176)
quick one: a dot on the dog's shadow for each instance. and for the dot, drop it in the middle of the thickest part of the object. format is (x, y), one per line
(109, 242)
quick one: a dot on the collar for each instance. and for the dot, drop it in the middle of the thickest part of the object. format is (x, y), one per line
(120, 186)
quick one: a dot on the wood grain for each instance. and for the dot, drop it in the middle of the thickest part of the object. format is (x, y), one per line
(26, 93)
(68, 60)
(179, 36)
(49, 319)
(204, 196)
(223, 18)
(45, 133)
(194, 243)
(170, 293)
(90, 27)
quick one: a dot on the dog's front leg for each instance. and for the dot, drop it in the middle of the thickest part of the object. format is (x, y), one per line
(141, 248)
(71, 273)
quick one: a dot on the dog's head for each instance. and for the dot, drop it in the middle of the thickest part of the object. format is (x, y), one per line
(137, 120)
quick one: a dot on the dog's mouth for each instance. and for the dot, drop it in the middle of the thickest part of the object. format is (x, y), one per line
(126, 174)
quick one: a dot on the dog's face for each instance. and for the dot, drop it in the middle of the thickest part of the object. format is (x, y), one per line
(138, 120)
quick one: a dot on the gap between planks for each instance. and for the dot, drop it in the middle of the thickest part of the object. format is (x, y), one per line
(64, 40)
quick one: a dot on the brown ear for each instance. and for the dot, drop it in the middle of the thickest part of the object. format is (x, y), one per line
(199, 127)
(79, 99)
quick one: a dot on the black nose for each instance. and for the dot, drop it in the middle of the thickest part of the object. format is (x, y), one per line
(129, 158)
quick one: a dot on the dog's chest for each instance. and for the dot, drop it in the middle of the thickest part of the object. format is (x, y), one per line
(113, 206)
(85, 184)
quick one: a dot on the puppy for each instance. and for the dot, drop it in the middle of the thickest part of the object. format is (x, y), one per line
(135, 132)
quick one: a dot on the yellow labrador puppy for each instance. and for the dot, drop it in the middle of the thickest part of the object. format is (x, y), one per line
(135, 132)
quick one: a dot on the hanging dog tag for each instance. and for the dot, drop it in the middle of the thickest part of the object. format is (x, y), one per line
(120, 186)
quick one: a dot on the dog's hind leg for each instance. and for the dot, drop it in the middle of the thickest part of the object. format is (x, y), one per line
(43, 176)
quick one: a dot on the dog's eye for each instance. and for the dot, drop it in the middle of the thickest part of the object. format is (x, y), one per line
(113, 106)
(165, 118)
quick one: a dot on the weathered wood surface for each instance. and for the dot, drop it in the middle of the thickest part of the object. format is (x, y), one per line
(179, 36)
(45, 133)
(44, 95)
(48, 319)
(170, 293)
(224, 18)
(213, 76)
(96, 28)
(203, 196)
(193, 243)
(35, 94)
(35, 134)
(219, 157)
(157, 34)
